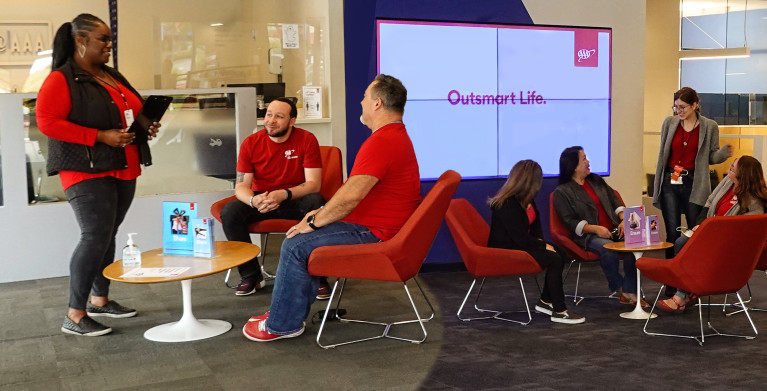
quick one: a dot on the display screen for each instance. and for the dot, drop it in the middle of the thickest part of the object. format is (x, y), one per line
(482, 97)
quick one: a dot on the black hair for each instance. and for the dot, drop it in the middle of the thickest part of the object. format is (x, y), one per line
(293, 109)
(568, 161)
(392, 92)
(64, 41)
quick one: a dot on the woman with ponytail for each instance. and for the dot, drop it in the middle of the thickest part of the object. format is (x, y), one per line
(85, 108)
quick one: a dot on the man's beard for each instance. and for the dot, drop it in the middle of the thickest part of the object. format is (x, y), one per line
(280, 133)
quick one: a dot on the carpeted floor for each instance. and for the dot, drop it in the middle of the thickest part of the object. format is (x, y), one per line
(607, 352)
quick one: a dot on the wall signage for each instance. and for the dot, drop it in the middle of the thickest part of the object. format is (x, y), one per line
(21, 41)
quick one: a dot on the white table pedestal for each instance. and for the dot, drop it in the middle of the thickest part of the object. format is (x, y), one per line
(188, 328)
(638, 312)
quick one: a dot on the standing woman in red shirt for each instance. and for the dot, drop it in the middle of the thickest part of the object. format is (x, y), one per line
(85, 108)
(689, 143)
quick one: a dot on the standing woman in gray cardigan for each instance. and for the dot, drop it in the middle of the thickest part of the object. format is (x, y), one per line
(689, 143)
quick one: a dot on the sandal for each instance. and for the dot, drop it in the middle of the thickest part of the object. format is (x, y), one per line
(677, 309)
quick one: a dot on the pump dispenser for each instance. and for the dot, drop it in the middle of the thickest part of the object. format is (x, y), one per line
(131, 253)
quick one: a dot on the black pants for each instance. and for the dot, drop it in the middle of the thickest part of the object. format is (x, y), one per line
(236, 216)
(100, 206)
(675, 200)
(554, 262)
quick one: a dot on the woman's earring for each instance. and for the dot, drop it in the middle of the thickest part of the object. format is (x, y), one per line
(81, 50)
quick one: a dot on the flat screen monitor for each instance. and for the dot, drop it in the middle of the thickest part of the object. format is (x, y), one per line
(483, 96)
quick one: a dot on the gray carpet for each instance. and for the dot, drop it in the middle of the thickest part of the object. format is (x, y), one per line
(606, 352)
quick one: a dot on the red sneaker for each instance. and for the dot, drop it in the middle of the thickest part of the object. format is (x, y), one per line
(256, 331)
(259, 317)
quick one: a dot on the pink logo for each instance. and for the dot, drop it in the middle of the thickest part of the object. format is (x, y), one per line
(585, 52)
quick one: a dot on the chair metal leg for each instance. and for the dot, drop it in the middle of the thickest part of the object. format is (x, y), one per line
(267, 275)
(737, 305)
(226, 279)
(495, 314)
(702, 337)
(576, 298)
(387, 326)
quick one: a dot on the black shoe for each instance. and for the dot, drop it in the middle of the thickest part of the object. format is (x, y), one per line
(544, 308)
(567, 317)
(86, 327)
(249, 286)
(323, 291)
(111, 310)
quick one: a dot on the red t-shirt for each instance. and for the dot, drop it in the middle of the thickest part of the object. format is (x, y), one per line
(727, 201)
(53, 106)
(530, 215)
(604, 219)
(681, 154)
(389, 156)
(278, 165)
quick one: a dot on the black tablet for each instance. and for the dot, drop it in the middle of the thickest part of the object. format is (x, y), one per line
(152, 111)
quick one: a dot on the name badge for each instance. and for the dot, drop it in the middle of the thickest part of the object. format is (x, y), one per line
(676, 176)
(128, 118)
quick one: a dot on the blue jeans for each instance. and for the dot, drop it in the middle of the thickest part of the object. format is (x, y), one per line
(610, 260)
(100, 206)
(294, 288)
(236, 216)
(675, 200)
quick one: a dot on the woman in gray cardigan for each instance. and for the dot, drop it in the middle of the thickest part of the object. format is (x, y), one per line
(742, 192)
(689, 143)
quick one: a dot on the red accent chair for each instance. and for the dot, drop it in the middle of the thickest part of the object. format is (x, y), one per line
(397, 259)
(719, 258)
(470, 232)
(561, 236)
(332, 179)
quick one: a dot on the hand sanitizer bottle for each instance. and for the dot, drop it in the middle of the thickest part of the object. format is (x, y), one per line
(131, 253)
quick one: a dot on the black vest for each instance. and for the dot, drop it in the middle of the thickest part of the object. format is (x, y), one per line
(92, 107)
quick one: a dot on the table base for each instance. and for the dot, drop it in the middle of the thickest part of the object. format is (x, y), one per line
(188, 328)
(184, 330)
(638, 313)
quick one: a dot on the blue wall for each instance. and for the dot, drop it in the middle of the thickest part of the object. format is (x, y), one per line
(360, 61)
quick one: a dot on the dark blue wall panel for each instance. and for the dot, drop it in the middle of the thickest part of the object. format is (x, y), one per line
(360, 63)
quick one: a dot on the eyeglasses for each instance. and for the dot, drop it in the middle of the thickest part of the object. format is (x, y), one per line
(678, 108)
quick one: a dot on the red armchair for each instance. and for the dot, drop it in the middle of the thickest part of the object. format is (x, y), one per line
(719, 258)
(470, 232)
(561, 236)
(397, 259)
(332, 179)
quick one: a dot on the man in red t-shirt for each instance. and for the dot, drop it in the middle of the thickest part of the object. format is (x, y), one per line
(381, 193)
(278, 177)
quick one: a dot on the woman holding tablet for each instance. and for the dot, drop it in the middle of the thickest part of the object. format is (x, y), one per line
(85, 107)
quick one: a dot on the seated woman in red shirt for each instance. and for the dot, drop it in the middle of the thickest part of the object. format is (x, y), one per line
(741, 192)
(516, 225)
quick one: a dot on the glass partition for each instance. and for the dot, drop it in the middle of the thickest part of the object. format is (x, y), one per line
(733, 91)
(195, 151)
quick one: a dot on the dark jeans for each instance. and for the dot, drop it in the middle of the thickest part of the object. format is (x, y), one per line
(675, 200)
(236, 216)
(610, 262)
(554, 262)
(100, 206)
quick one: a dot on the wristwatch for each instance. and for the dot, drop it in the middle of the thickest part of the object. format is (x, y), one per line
(289, 193)
(310, 222)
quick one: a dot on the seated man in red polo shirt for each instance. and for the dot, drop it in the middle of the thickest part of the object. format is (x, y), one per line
(381, 193)
(278, 177)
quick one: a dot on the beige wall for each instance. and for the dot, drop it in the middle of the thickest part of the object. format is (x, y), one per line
(661, 73)
(627, 19)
